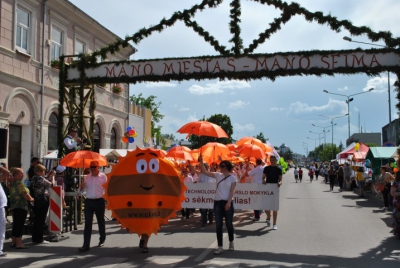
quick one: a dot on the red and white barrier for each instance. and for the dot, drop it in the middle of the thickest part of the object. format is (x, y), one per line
(55, 210)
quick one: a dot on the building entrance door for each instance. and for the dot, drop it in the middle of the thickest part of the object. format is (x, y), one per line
(14, 146)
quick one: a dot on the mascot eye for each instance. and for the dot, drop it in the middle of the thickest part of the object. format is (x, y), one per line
(154, 166)
(141, 166)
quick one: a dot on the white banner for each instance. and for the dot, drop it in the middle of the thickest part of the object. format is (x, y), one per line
(250, 196)
(218, 64)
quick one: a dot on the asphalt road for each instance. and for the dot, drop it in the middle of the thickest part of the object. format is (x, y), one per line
(316, 228)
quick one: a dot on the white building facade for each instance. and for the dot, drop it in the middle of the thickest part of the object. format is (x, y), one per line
(29, 79)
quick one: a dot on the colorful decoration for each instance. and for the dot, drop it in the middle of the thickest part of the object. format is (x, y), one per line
(357, 147)
(129, 135)
(144, 190)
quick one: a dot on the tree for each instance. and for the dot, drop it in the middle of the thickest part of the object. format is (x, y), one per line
(168, 136)
(261, 137)
(224, 122)
(156, 116)
(288, 154)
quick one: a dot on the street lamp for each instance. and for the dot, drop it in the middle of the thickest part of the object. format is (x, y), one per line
(332, 118)
(315, 142)
(346, 38)
(348, 102)
(306, 144)
(319, 138)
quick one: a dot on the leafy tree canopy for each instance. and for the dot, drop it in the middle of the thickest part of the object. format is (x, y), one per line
(224, 122)
(153, 106)
(261, 137)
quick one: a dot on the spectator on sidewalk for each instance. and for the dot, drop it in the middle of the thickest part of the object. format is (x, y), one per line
(387, 178)
(347, 174)
(340, 176)
(19, 198)
(395, 192)
(4, 174)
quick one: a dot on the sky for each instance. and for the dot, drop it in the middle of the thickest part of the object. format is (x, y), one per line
(284, 110)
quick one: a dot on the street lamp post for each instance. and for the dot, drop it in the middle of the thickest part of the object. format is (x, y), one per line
(319, 137)
(332, 118)
(348, 103)
(346, 38)
(323, 147)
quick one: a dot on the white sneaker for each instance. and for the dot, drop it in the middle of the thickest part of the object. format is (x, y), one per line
(268, 222)
(219, 251)
(231, 246)
(275, 227)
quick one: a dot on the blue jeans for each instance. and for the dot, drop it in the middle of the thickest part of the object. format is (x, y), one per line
(220, 212)
(204, 217)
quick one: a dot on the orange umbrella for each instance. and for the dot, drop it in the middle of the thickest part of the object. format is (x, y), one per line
(195, 154)
(232, 147)
(180, 155)
(82, 159)
(203, 128)
(212, 150)
(250, 140)
(179, 148)
(251, 150)
(268, 148)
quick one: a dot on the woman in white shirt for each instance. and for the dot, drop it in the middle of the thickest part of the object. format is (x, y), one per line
(223, 205)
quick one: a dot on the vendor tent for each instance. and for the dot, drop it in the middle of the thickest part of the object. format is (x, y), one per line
(356, 155)
(380, 156)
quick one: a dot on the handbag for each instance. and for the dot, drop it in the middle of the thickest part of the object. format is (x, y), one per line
(380, 187)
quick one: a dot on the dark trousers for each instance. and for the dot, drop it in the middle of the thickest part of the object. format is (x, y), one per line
(40, 210)
(206, 214)
(340, 179)
(98, 207)
(332, 181)
(220, 213)
(257, 214)
(186, 212)
(19, 217)
(386, 193)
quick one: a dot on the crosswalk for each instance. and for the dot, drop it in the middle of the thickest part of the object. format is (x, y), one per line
(109, 262)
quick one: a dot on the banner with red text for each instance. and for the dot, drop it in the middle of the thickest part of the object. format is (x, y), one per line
(250, 196)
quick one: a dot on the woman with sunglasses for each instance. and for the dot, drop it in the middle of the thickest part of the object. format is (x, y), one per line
(223, 205)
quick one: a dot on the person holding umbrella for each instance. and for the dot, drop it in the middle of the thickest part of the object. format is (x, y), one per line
(223, 200)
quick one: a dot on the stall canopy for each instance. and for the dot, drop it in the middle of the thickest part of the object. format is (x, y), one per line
(351, 150)
(380, 156)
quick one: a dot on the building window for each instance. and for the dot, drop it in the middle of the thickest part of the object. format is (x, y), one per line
(80, 47)
(113, 139)
(23, 24)
(52, 136)
(56, 43)
(96, 137)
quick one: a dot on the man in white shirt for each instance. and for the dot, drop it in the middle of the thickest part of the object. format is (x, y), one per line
(71, 141)
(4, 173)
(257, 177)
(94, 204)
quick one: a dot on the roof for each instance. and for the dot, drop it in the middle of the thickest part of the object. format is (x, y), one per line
(382, 152)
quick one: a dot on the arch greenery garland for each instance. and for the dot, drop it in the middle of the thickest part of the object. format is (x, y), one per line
(187, 15)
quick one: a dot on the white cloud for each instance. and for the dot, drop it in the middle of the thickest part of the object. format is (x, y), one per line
(343, 88)
(160, 84)
(275, 109)
(238, 104)
(243, 128)
(332, 108)
(380, 84)
(218, 87)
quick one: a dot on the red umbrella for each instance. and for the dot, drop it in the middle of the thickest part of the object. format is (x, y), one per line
(203, 128)
(82, 159)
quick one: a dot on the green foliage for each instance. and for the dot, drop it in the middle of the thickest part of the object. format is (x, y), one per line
(224, 122)
(153, 106)
(324, 153)
(288, 154)
(371, 144)
(261, 137)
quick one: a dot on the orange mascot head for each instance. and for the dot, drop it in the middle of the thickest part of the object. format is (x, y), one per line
(143, 191)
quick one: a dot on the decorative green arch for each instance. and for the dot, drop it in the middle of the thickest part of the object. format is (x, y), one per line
(88, 62)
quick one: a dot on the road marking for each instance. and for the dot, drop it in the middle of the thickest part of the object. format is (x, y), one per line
(103, 263)
(225, 264)
(48, 263)
(165, 262)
